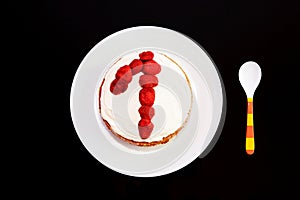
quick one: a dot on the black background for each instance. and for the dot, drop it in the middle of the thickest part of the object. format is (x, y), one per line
(54, 36)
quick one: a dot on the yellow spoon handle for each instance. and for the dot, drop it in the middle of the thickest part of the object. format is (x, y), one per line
(250, 128)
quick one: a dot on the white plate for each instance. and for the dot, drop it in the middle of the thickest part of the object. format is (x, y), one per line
(191, 142)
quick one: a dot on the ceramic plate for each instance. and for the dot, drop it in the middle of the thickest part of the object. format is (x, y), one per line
(205, 97)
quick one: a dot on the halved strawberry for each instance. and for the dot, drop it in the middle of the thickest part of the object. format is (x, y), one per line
(151, 67)
(147, 96)
(118, 86)
(146, 55)
(124, 73)
(145, 128)
(146, 112)
(147, 80)
(136, 66)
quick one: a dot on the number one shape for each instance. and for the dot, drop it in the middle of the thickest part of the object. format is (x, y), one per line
(249, 77)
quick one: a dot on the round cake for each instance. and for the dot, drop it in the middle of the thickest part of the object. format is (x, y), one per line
(145, 97)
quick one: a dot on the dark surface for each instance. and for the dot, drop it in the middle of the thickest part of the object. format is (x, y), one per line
(55, 37)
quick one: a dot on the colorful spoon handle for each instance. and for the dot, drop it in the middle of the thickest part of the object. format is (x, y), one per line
(250, 128)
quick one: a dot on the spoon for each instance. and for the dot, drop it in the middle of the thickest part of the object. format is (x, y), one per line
(249, 76)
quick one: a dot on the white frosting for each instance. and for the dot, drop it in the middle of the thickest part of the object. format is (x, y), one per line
(172, 100)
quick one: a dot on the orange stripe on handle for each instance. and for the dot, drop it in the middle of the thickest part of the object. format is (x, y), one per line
(250, 129)
(250, 132)
(250, 107)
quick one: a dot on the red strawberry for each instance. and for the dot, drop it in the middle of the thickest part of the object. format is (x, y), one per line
(147, 55)
(146, 112)
(124, 73)
(118, 86)
(136, 66)
(148, 81)
(147, 96)
(145, 128)
(151, 67)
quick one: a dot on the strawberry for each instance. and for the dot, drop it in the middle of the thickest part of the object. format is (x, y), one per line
(147, 96)
(136, 66)
(145, 128)
(124, 73)
(151, 67)
(118, 86)
(146, 112)
(146, 55)
(148, 81)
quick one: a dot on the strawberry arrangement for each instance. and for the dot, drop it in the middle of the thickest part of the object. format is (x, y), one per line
(147, 81)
